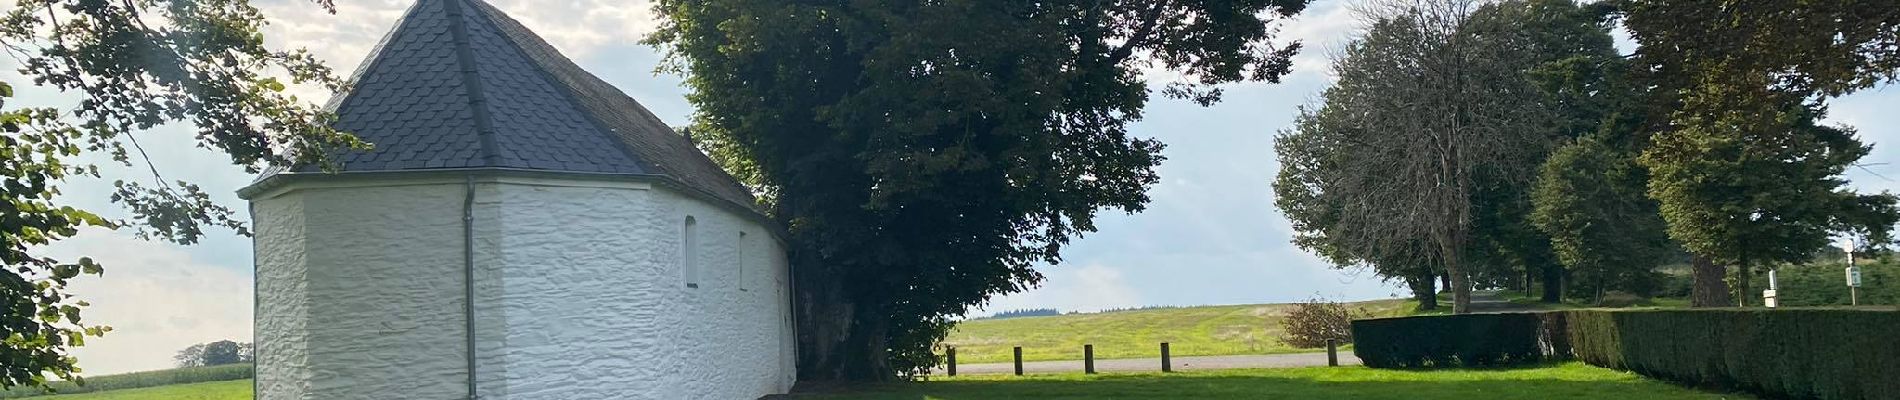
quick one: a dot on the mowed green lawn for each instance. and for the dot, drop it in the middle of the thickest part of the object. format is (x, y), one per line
(220, 390)
(1566, 381)
(1189, 331)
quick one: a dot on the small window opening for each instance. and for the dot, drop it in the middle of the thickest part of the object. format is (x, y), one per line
(689, 253)
(742, 245)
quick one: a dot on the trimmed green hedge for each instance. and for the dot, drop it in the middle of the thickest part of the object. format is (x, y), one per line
(1785, 353)
(1471, 340)
(144, 379)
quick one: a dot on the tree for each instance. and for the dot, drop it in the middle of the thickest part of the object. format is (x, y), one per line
(1307, 154)
(221, 352)
(193, 356)
(1590, 199)
(214, 353)
(134, 65)
(925, 155)
(1743, 173)
(1432, 105)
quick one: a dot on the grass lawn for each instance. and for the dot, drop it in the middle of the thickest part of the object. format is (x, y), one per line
(220, 390)
(1190, 331)
(1566, 381)
(1572, 381)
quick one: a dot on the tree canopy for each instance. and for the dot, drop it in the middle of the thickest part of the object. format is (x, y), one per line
(926, 156)
(1415, 155)
(134, 65)
(1708, 139)
(1744, 172)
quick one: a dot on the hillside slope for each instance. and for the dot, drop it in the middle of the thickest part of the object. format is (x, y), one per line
(1190, 331)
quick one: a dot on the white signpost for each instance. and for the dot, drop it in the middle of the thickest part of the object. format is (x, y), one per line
(1853, 273)
(1768, 296)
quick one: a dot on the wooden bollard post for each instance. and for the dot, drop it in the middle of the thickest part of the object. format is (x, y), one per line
(1166, 364)
(1088, 359)
(1019, 361)
(1332, 352)
(952, 362)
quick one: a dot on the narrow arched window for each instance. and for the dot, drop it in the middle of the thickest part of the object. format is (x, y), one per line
(689, 252)
(741, 247)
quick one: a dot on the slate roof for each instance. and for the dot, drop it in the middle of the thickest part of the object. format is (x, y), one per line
(459, 84)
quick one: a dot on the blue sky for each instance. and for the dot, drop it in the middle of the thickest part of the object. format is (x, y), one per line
(1210, 236)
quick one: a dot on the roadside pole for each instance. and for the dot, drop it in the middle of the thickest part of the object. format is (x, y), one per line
(1853, 274)
(1768, 296)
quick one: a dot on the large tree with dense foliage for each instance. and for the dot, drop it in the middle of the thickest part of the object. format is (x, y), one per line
(1308, 153)
(1743, 172)
(134, 65)
(1420, 152)
(1605, 230)
(1588, 201)
(924, 156)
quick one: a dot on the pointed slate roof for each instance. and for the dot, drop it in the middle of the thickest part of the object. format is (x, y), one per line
(458, 85)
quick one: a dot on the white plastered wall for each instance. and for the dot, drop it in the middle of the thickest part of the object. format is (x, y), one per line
(579, 292)
(360, 292)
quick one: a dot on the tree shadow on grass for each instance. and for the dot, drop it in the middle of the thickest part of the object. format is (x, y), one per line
(1363, 384)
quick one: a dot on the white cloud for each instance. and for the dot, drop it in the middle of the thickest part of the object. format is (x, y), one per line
(157, 299)
(1084, 288)
(1323, 29)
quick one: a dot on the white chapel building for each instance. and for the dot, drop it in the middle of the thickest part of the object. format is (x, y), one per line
(521, 230)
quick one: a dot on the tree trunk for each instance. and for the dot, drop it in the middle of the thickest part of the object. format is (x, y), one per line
(1711, 287)
(1742, 285)
(1553, 283)
(838, 340)
(1425, 290)
(1528, 282)
(1460, 281)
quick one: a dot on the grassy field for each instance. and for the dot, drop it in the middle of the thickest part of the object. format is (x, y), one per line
(144, 379)
(1190, 331)
(222, 390)
(1567, 381)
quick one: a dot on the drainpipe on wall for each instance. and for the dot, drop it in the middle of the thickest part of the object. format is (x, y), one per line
(256, 345)
(468, 275)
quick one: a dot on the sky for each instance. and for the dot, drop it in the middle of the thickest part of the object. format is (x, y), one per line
(1210, 236)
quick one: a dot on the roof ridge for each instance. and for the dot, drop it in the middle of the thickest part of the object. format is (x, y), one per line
(472, 81)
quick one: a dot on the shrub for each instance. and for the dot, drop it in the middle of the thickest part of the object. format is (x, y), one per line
(1471, 340)
(1314, 322)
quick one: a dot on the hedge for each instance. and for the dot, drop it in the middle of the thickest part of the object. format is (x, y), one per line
(1788, 353)
(1785, 353)
(1470, 340)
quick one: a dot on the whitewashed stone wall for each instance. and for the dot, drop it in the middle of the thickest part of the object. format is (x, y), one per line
(360, 292)
(579, 293)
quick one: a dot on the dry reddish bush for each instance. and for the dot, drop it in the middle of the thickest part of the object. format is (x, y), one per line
(1311, 323)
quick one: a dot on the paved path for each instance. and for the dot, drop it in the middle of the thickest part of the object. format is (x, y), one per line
(1491, 301)
(1154, 364)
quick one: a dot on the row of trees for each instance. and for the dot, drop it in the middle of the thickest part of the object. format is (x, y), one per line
(1479, 143)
